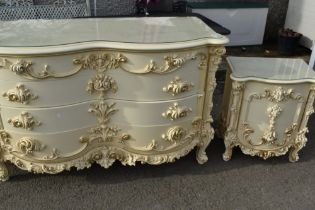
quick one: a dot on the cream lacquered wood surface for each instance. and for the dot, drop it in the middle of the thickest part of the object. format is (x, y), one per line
(134, 85)
(99, 91)
(65, 118)
(271, 114)
(145, 140)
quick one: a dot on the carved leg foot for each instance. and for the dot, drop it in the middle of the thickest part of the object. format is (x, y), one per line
(201, 155)
(228, 152)
(4, 174)
(293, 155)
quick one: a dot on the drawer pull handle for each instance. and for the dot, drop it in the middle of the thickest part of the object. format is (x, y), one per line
(175, 112)
(24, 120)
(175, 134)
(19, 94)
(178, 86)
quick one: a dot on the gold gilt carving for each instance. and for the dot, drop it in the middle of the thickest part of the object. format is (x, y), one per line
(150, 147)
(178, 86)
(125, 137)
(104, 156)
(211, 63)
(103, 132)
(25, 121)
(175, 134)
(28, 145)
(103, 62)
(19, 94)
(21, 67)
(4, 173)
(100, 62)
(24, 68)
(175, 112)
(102, 83)
(291, 141)
(270, 136)
(277, 95)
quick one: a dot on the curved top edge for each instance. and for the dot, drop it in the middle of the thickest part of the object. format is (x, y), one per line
(111, 45)
(273, 81)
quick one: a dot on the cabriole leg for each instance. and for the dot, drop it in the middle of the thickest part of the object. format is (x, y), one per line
(228, 152)
(201, 151)
(4, 174)
(205, 140)
(293, 155)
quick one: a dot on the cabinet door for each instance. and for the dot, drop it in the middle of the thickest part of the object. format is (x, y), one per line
(270, 115)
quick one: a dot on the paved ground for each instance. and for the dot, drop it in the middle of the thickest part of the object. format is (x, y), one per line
(243, 183)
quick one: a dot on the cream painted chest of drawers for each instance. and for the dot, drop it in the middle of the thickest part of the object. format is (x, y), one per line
(80, 91)
(266, 107)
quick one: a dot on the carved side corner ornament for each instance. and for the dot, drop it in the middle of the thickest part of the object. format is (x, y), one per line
(25, 121)
(178, 86)
(175, 112)
(19, 94)
(102, 83)
(216, 54)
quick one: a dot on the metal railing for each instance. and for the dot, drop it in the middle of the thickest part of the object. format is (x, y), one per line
(60, 9)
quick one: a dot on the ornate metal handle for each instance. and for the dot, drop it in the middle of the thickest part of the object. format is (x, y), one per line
(19, 94)
(175, 112)
(24, 120)
(178, 86)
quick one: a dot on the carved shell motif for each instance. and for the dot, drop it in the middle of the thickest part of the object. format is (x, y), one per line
(102, 83)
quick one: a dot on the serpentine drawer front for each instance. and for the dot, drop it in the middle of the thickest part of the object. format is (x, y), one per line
(155, 71)
(89, 95)
(65, 118)
(267, 106)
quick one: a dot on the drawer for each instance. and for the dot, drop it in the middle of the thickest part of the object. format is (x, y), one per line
(159, 139)
(146, 141)
(136, 76)
(65, 118)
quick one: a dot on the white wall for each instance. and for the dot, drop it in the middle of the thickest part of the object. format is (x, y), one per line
(301, 18)
(247, 25)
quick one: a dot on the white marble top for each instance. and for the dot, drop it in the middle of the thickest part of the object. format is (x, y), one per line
(153, 30)
(285, 69)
